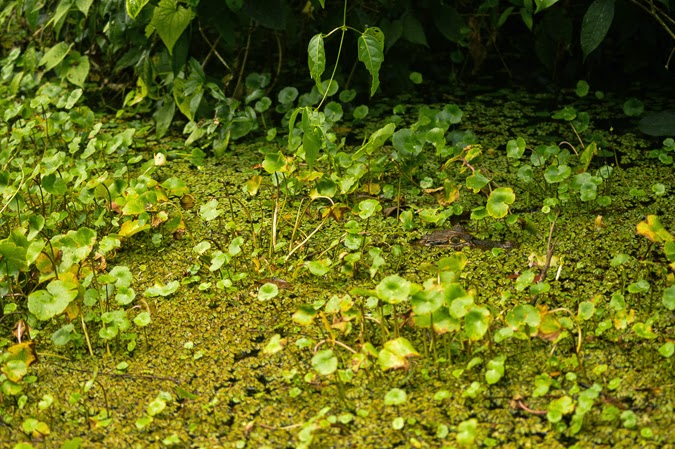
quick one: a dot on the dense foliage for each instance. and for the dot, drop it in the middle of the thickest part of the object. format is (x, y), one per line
(77, 187)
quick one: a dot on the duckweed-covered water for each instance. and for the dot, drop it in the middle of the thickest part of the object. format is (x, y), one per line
(203, 353)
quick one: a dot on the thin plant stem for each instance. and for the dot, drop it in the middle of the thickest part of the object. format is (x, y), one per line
(86, 335)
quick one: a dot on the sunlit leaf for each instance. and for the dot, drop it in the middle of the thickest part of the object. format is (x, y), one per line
(653, 230)
(274, 345)
(210, 211)
(466, 432)
(476, 323)
(170, 19)
(498, 202)
(396, 353)
(46, 304)
(162, 290)
(523, 315)
(142, 319)
(325, 362)
(395, 396)
(368, 207)
(515, 148)
(393, 289)
(495, 370)
(426, 302)
(267, 291)
(319, 267)
(156, 406)
(134, 7)
(304, 316)
(132, 227)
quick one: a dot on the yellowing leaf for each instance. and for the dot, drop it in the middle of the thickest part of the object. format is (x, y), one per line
(653, 230)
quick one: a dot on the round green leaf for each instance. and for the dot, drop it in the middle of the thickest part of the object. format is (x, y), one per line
(325, 362)
(46, 304)
(582, 88)
(633, 107)
(466, 432)
(268, 291)
(499, 201)
(156, 407)
(142, 319)
(426, 302)
(393, 289)
(523, 315)
(667, 349)
(557, 173)
(515, 148)
(360, 112)
(395, 396)
(476, 323)
(125, 295)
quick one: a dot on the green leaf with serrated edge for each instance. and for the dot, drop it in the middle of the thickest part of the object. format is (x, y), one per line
(316, 58)
(170, 19)
(596, 23)
(134, 7)
(371, 53)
